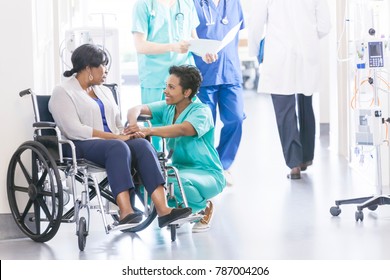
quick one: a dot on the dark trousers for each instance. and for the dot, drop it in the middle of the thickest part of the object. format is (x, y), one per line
(297, 133)
(118, 157)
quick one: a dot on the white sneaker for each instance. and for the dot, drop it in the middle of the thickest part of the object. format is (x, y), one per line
(228, 178)
(204, 223)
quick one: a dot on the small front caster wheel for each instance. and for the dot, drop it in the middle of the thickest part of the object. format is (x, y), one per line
(173, 232)
(335, 211)
(82, 233)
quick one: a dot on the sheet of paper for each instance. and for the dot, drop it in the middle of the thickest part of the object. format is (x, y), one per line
(202, 46)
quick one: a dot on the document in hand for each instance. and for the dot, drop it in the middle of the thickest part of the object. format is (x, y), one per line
(202, 46)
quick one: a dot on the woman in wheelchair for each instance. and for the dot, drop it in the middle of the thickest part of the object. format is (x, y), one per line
(189, 129)
(87, 114)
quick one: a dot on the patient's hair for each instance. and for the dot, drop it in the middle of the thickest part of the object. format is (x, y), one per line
(87, 55)
(190, 77)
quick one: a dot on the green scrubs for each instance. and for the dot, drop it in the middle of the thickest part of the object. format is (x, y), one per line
(195, 156)
(162, 24)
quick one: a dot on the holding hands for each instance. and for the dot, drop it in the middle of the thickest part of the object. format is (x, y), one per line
(135, 131)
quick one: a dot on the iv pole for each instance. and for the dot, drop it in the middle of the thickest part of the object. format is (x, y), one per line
(370, 202)
(373, 202)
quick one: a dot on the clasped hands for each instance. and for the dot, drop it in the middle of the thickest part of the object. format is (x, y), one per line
(135, 131)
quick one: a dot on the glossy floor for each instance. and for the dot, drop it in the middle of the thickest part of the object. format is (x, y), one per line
(263, 216)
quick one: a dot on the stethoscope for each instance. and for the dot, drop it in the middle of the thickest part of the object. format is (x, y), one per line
(179, 18)
(210, 20)
(179, 15)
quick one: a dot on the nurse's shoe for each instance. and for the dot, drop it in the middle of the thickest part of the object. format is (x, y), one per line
(229, 178)
(204, 223)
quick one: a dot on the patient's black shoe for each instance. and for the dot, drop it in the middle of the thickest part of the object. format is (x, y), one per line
(132, 218)
(176, 214)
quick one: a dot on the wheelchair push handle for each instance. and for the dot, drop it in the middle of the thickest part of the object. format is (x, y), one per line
(25, 92)
(144, 118)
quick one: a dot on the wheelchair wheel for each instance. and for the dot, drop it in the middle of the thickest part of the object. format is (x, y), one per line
(34, 191)
(147, 207)
(173, 232)
(82, 233)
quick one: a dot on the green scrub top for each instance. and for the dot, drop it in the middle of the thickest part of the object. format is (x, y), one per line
(163, 24)
(195, 156)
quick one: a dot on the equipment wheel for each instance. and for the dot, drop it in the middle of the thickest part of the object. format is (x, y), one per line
(359, 216)
(335, 210)
(373, 207)
(34, 191)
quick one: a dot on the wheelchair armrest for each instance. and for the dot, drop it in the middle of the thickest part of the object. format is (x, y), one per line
(44, 124)
(144, 118)
(25, 92)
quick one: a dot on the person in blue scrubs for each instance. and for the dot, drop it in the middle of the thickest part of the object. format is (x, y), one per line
(189, 131)
(222, 80)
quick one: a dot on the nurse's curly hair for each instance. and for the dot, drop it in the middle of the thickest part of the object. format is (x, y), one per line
(190, 77)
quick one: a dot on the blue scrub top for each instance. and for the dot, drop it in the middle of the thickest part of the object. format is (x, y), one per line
(163, 24)
(227, 69)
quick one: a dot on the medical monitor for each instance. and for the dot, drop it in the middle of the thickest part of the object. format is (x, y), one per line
(375, 54)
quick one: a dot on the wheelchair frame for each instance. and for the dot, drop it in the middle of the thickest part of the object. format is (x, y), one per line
(37, 193)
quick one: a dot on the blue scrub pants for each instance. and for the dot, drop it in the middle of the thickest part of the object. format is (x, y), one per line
(229, 99)
(118, 157)
(297, 140)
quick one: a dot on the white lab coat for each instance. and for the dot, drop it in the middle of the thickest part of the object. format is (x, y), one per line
(292, 30)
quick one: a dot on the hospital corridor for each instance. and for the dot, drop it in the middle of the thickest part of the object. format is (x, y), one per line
(85, 176)
(263, 216)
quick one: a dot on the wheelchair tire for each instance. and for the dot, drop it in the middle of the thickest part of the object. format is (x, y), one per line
(173, 232)
(149, 211)
(34, 191)
(82, 233)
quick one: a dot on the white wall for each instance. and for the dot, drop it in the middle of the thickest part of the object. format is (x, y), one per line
(16, 74)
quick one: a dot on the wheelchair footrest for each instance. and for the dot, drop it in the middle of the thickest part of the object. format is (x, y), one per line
(117, 226)
(190, 219)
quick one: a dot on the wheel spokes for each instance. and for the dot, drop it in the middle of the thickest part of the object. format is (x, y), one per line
(27, 175)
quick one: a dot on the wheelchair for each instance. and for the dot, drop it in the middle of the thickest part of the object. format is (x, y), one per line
(42, 183)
